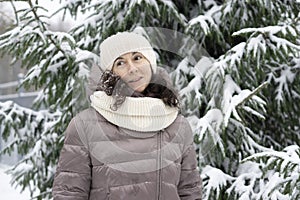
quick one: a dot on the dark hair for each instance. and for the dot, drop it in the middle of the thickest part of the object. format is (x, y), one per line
(114, 86)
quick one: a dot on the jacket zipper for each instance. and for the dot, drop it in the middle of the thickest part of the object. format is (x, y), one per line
(159, 158)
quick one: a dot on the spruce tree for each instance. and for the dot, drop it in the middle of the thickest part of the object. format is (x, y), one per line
(240, 97)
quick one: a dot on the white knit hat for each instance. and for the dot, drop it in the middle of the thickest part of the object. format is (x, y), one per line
(124, 42)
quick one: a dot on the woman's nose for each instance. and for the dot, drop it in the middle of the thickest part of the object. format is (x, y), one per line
(132, 67)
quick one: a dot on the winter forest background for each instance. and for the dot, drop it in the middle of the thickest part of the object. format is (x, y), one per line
(241, 98)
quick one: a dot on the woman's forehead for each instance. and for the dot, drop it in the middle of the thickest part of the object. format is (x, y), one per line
(127, 55)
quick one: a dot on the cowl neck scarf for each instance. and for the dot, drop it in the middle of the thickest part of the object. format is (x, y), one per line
(144, 114)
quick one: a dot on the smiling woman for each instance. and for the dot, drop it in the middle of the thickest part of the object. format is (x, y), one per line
(134, 69)
(131, 144)
(129, 66)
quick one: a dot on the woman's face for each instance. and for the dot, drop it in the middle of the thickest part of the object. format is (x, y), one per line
(134, 69)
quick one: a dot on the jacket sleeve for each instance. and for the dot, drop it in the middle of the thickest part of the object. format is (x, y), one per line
(73, 174)
(190, 183)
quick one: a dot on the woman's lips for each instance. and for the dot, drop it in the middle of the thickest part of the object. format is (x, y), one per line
(135, 80)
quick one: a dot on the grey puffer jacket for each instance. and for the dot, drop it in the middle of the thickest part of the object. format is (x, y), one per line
(100, 161)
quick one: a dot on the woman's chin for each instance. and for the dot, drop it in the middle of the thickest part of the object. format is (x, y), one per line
(139, 88)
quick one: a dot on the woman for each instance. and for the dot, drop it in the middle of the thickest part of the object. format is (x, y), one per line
(131, 144)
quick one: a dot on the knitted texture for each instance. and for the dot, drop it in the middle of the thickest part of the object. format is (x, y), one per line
(143, 114)
(122, 43)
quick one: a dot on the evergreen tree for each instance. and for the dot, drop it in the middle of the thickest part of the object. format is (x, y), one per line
(240, 100)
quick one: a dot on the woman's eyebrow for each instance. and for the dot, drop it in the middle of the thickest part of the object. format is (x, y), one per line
(119, 58)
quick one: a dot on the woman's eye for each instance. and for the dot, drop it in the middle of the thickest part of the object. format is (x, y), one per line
(118, 63)
(138, 57)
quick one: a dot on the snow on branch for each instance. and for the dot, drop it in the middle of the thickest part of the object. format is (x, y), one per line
(281, 169)
(214, 180)
(152, 3)
(208, 130)
(269, 29)
(21, 117)
(196, 83)
(244, 185)
(205, 22)
(24, 123)
(234, 97)
(289, 154)
(14, 38)
(276, 39)
(285, 79)
(35, 134)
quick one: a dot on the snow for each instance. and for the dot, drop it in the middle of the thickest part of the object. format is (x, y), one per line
(269, 29)
(286, 76)
(9, 84)
(55, 67)
(82, 72)
(204, 22)
(214, 119)
(7, 191)
(57, 22)
(213, 116)
(183, 66)
(21, 94)
(216, 177)
(85, 55)
(256, 43)
(238, 52)
(133, 3)
(210, 123)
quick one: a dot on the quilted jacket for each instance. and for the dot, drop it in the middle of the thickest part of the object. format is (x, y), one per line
(100, 161)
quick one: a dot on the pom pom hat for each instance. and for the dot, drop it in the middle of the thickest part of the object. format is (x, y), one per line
(124, 42)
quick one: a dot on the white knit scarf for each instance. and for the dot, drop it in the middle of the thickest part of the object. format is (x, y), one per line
(143, 114)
